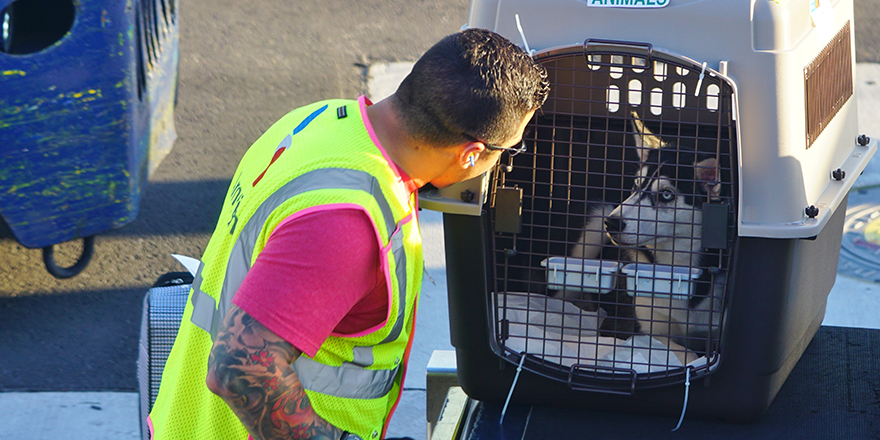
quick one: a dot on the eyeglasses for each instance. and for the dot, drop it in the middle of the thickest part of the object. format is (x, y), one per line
(512, 151)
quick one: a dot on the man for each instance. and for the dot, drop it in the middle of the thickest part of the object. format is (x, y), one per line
(300, 320)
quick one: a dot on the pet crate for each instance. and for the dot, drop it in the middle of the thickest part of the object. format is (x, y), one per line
(677, 216)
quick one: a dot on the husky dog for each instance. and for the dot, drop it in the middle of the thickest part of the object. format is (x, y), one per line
(660, 223)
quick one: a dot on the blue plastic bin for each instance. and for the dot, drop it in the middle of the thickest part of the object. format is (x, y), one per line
(87, 93)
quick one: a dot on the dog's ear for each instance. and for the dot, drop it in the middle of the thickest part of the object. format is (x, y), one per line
(707, 174)
(645, 139)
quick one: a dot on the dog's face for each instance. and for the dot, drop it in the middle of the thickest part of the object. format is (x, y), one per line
(670, 188)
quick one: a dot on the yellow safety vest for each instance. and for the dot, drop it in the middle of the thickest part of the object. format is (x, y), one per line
(315, 157)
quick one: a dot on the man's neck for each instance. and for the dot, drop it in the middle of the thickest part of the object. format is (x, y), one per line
(422, 163)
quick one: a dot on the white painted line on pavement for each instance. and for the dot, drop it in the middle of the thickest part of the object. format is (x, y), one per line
(383, 79)
(69, 415)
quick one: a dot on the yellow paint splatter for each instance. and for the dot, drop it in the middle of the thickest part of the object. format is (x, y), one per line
(14, 72)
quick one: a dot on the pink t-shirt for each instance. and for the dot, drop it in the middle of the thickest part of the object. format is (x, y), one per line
(319, 273)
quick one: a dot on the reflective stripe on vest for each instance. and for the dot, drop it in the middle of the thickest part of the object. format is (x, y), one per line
(208, 315)
(349, 379)
(353, 379)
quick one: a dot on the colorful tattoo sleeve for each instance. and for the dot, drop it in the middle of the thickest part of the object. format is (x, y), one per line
(249, 368)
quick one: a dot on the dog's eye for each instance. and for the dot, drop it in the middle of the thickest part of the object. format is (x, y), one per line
(667, 196)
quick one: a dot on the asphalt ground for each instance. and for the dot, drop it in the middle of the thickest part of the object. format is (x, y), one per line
(243, 65)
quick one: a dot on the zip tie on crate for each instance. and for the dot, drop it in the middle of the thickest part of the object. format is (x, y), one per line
(700, 81)
(687, 388)
(512, 386)
(522, 34)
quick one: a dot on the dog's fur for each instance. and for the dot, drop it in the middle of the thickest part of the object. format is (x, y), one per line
(660, 223)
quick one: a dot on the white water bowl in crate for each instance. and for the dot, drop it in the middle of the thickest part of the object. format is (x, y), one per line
(653, 279)
(580, 274)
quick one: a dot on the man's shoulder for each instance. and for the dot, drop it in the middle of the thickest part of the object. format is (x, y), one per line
(331, 104)
(314, 114)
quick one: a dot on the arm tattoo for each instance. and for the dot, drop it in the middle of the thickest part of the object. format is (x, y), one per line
(249, 368)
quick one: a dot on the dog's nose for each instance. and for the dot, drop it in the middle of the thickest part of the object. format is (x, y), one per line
(614, 224)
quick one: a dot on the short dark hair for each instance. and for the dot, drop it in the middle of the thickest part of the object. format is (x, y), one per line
(472, 84)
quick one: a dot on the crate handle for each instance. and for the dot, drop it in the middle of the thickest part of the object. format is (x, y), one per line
(593, 45)
(630, 371)
(72, 271)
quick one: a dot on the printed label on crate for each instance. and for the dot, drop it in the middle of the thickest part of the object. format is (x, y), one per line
(628, 3)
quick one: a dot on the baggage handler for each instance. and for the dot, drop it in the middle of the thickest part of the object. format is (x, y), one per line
(301, 315)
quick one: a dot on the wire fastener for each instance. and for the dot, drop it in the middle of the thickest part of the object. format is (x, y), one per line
(512, 386)
(700, 81)
(687, 388)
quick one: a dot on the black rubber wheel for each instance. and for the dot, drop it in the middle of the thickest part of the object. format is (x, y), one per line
(69, 272)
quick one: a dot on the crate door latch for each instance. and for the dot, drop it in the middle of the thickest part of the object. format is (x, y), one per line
(508, 210)
(715, 225)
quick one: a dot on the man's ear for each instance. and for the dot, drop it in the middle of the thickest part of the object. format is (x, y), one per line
(707, 175)
(470, 153)
(645, 139)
